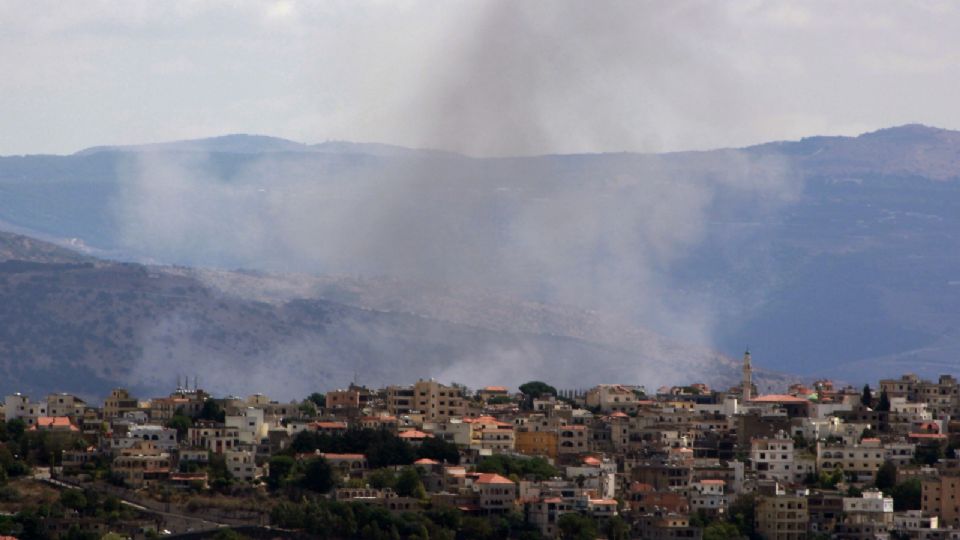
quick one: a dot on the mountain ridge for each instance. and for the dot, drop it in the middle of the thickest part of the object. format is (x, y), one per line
(120, 324)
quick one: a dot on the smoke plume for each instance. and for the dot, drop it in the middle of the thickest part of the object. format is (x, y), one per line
(614, 233)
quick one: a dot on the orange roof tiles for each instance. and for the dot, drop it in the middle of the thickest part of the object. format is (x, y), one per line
(329, 455)
(55, 422)
(413, 434)
(493, 478)
(328, 425)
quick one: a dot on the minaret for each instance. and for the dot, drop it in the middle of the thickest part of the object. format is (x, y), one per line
(746, 388)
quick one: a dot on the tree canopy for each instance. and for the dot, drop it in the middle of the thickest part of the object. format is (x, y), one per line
(537, 389)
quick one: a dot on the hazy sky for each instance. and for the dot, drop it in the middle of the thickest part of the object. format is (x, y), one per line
(482, 77)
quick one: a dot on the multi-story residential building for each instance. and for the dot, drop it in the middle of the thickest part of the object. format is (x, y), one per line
(65, 405)
(904, 387)
(573, 440)
(612, 398)
(496, 494)
(782, 516)
(141, 465)
(870, 507)
(861, 461)
(437, 401)
(19, 406)
(353, 397)
(161, 437)
(775, 459)
(249, 423)
(215, 438)
(537, 443)
(708, 496)
(940, 496)
(826, 511)
(243, 466)
(118, 403)
(941, 397)
(400, 400)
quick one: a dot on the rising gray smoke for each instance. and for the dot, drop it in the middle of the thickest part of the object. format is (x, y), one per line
(609, 233)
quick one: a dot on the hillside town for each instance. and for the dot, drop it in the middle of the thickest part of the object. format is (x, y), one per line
(434, 460)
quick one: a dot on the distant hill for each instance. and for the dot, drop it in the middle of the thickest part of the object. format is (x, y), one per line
(261, 144)
(15, 247)
(230, 144)
(80, 325)
(849, 263)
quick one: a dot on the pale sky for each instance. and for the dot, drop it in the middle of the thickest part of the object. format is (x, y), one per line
(483, 77)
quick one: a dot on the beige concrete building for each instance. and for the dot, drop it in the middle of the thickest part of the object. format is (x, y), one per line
(433, 400)
(782, 516)
(940, 496)
(118, 403)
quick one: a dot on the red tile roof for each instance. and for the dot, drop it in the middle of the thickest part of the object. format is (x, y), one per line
(413, 434)
(55, 422)
(493, 478)
(329, 455)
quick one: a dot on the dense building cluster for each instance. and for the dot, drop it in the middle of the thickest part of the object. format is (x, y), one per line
(614, 461)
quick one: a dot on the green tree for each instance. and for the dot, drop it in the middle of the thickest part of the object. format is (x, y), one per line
(318, 475)
(409, 484)
(928, 454)
(866, 398)
(536, 389)
(15, 429)
(280, 469)
(616, 528)
(212, 411)
(577, 527)
(536, 467)
(439, 450)
(73, 499)
(906, 495)
(884, 404)
(742, 514)
(382, 478)
(475, 527)
(228, 534)
(886, 476)
(182, 423)
(318, 399)
(720, 530)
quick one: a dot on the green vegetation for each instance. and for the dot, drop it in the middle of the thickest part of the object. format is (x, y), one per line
(906, 495)
(318, 399)
(886, 476)
(211, 411)
(348, 521)
(27, 525)
(181, 423)
(536, 467)
(577, 527)
(382, 448)
(536, 389)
